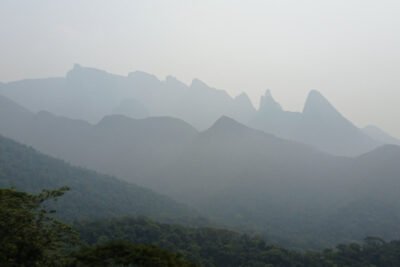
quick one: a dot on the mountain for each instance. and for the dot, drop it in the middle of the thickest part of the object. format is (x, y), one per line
(252, 179)
(375, 207)
(132, 149)
(378, 134)
(239, 176)
(90, 94)
(92, 195)
(319, 125)
(290, 191)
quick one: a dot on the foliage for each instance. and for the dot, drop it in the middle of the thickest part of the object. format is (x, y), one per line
(127, 254)
(29, 235)
(217, 247)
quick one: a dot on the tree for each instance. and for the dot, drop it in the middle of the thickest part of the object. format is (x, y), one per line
(29, 235)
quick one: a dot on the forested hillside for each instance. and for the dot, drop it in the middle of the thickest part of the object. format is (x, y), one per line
(91, 195)
(216, 247)
(31, 236)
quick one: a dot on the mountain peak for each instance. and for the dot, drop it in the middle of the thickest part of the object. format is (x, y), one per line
(268, 103)
(243, 98)
(317, 103)
(196, 83)
(315, 95)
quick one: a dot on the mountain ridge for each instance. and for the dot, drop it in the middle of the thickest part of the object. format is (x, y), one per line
(226, 171)
(91, 94)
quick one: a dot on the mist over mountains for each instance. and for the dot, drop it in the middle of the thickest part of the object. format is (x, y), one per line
(289, 176)
(199, 133)
(90, 94)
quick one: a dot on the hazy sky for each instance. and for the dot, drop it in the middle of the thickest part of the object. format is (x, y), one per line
(347, 49)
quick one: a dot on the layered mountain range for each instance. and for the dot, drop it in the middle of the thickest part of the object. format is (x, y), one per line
(240, 176)
(90, 94)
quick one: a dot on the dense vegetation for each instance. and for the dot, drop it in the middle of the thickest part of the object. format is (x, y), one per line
(126, 254)
(206, 246)
(30, 236)
(216, 247)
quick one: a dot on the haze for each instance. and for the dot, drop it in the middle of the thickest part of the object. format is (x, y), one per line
(348, 50)
(199, 133)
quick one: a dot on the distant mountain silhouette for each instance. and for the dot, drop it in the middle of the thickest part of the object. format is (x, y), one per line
(320, 125)
(90, 94)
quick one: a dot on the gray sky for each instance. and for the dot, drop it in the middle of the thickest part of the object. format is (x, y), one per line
(347, 49)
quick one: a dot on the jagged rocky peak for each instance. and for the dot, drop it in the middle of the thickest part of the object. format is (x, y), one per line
(244, 100)
(317, 103)
(243, 97)
(268, 103)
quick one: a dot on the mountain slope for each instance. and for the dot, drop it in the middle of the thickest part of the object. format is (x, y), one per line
(92, 195)
(374, 209)
(290, 191)
(230, 169)
(378, 134)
